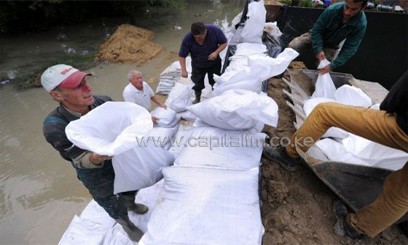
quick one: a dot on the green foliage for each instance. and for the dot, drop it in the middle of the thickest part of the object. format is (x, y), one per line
(305, 3)
(82, 62)
(287, 2)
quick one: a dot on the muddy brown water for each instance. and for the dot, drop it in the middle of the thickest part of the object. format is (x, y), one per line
(39, 192)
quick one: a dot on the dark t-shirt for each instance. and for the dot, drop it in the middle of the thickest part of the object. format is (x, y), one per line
(199, 53)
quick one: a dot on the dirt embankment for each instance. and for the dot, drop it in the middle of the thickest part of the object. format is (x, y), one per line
(296, 206)
(129, 44)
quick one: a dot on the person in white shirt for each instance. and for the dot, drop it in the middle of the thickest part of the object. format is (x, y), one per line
(139, 92)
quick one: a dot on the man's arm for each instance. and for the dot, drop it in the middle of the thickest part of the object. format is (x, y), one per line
(215, 54)
(158, 102)
(182, 62)
(54, 133)
(317, 32)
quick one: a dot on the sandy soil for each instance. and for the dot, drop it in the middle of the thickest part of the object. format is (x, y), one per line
(296, 206)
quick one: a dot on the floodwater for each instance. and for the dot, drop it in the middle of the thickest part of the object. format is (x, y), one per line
(39, 192)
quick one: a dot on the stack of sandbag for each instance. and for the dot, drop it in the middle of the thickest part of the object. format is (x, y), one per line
(170, 76)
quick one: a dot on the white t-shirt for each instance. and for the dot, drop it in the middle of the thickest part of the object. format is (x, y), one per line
(142, 98)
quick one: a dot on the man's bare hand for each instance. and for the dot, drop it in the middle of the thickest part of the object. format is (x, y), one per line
(98, 159)
(320, 56)
(324, 70)
(212, 56)
(184, 74)
(154, 120)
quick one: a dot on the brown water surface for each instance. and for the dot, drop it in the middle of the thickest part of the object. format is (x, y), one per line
(39, 192)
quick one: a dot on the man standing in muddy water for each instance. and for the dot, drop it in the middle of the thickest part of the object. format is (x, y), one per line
(336, 35)
(204, 43)
(68, 86)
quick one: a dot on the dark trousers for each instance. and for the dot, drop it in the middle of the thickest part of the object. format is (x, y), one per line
(99, 182)
(198, 75)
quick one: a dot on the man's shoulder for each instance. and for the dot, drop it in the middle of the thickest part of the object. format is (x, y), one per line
(146, 84)
(100, 99)
(336, 6)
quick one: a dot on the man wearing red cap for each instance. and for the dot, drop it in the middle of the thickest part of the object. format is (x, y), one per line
(69, 87)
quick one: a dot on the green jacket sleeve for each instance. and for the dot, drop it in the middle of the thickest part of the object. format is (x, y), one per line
(317, 30)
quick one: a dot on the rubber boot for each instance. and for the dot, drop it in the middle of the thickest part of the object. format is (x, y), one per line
(135, 207)
(197, 98)
(132, 231)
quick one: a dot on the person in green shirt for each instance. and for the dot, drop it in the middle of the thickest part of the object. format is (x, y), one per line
(336, 35)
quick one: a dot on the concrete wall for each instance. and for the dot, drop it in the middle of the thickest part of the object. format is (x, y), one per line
(383, 53)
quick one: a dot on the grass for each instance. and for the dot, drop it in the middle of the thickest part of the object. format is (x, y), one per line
(81, 62)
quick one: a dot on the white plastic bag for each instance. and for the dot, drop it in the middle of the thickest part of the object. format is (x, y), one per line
(111, 128)
(253, 28)
(208, 146)
(237, 109)
(206, 206)
(375, 154)
(324, 86)
(179, 97)
(121, 130)
(350, 95)
(166, 118)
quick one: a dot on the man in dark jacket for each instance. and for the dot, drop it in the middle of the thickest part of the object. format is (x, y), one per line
(337, 33)
(387, 126)
(204, 43)
(69, 87)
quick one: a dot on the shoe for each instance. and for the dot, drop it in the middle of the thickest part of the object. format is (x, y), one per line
(342, 228)
(278, 154)
(131, 230)
(139, 208)
(197, 98)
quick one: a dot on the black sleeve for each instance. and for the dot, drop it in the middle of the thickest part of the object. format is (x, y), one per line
(396, 100)
(54, 133)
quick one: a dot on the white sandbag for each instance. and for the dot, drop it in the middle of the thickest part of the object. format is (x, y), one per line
(206, 206)
(163, 136)
(180, 139)
(110, 128)
(246, 49)
(350, 95)
(237, 109)
(250, 74)
(179, 97)
(89, 228)
(272, 29)
(120, 129)
(147, 196)
(375, 154)
(253, 28)
(117, 236)
(140, 167)
(209, 146)
(166, 118)
(335, 151)
(333, 132)
(267, 67)
(187, 115)
(324, 86)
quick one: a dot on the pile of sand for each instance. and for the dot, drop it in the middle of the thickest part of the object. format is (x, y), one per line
(129, 44)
